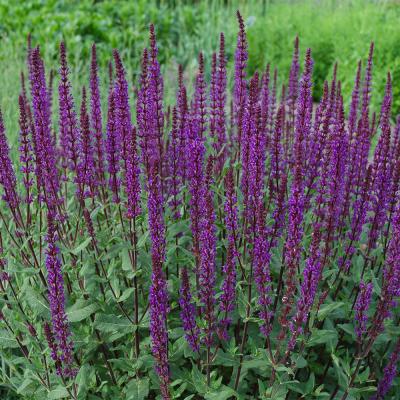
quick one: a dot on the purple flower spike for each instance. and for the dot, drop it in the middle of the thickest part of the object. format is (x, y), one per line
(45, 155)
(240, 91)
(293, 248)
(228, 288)
(113, 148)
(293, 85)
(389, 373)
(49, 335)
(85, 171)
(95, 118)
(174, 183)
(25, 148)
(199, 110)
(390, 281)
(55, 284)
(308, 288)
(7, 174)
(156, 92)
(183, 125)
(158, 297)
(69, 133)
(188, 313)
(132, 177)
(361, 308)
(207, 275)
(143, 114)
(381, 172)
(227, 300)
(123, 113)
(261, 263)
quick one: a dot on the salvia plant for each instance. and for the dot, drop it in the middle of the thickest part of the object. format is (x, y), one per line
(241, 242)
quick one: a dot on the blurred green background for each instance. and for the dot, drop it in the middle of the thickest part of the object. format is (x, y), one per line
(336, 30)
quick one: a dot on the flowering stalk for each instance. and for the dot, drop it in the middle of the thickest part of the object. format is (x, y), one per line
(85, 169)
(196, 148)
(122, 107)
(25, 150)
(308, 289)
(132, 177)
(45, 158)
(351, 128)
(207, 271)
(96, 118)
(262, 277)
(69, 134)
(296, 201)
(361, 308)
(293, 91)
(390, 282)
(381, 172)
(265, 102)
(182, 122)
(113, 148)
(188, 313)
(389, 373)
(240, 91)
(199, 109)
(360, 208)
(156, 92)
(363, 130)
(221, 150)
(249, 154)
(227, 300)
(143, 115)
(158, 296)
(173, 160)
(7, 174)
(63, 353)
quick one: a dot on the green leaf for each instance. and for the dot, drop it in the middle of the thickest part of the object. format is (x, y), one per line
(255, 363)
(126, 261)
(342, 378)
(309, 386)
(7, 341)
(35, 301)
(82, 246)
(111, 323)
(126, 294)
(222, 393)
(326, 309)
(83, 379)
(58, 393)
(225, 359)
(301, 362)
(82, 313)
(348, 328)
(365, 389)
(142, 239)
(24, 385)
(321, 336)
(138, 389)
(199, 381)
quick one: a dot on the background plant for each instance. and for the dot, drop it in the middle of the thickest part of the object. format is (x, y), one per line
(271, 27)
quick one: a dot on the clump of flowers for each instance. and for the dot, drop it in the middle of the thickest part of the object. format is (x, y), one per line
(182, 248)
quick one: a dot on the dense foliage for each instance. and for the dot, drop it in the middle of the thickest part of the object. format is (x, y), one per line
(241, 243)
